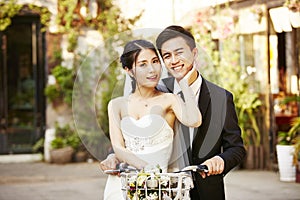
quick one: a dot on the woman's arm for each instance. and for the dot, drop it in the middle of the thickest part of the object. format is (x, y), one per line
(187, 111)
(117, 139)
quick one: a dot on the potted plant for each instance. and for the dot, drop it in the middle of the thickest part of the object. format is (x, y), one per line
(286, 155)
(64, 145)
(296, 156)
(60, 92)
(297, 159)
(288, 148)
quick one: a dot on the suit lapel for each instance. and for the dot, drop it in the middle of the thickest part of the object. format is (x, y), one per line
(204, 98)
(169, 83)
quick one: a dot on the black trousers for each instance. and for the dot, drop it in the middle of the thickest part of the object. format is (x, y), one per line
(210, 188)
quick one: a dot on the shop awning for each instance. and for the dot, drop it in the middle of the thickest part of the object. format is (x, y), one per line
(284, 19)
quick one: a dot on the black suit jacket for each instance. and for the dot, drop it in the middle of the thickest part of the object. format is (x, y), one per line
(219, 134)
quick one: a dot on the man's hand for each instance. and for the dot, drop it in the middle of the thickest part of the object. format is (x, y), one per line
(109, 163)
(215, 166)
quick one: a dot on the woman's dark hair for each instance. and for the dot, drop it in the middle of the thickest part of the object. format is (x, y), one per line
(132, 50)
(173, 32)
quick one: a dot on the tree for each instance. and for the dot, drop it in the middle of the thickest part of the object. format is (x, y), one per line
(98, 71)
(73, 17)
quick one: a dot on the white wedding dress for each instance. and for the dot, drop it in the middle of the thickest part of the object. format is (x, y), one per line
(151, 139)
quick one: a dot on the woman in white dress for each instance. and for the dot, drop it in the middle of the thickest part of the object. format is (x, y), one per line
(141, 124)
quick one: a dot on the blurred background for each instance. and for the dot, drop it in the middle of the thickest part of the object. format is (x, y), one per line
(59, 68)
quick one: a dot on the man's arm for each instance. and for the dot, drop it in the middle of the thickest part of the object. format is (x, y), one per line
(233, 147)
(232, 144)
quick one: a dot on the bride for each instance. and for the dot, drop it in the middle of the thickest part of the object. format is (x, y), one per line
(141, 125)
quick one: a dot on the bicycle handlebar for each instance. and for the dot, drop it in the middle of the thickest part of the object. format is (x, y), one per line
(124, 167)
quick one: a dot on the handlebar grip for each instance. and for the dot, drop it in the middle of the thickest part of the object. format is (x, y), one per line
(122, 165)
(202, 168)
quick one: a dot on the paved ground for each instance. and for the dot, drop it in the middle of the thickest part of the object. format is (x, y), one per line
(42, 181)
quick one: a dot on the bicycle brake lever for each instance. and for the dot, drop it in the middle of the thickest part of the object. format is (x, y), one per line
(120, 167)
(124, 167)
(202, 168)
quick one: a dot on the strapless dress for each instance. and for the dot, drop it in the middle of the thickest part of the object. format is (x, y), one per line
(151, 139)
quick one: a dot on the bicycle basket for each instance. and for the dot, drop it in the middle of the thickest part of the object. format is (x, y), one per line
(156, 186)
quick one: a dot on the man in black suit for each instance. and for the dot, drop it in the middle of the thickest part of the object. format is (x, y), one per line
(217, 143)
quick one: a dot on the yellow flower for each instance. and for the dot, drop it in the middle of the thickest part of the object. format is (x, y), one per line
(141, 179)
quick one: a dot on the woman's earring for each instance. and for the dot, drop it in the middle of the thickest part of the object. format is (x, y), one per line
(131, 75)
(129, 72)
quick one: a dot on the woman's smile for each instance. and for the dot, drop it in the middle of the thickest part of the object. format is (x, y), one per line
(152, 78)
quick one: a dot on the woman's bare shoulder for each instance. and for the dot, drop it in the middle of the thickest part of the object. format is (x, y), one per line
(118, 101)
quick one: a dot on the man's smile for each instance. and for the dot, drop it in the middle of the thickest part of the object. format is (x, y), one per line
(177, 68)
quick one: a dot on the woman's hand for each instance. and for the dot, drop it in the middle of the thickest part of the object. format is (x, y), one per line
(110, 163)
(190, 77)
(187, 111)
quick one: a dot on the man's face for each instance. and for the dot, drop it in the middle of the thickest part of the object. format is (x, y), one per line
(178, 57)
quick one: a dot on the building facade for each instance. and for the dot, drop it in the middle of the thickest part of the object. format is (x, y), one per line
(269, 38)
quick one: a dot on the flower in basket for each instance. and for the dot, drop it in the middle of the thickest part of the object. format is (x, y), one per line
(141, 179)
(164, 181)
(152, 196)
(145, 184)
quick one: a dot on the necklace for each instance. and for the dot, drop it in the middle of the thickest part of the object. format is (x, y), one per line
(146, 104)
(144, 101)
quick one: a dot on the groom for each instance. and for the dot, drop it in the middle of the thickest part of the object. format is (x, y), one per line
(217, 143)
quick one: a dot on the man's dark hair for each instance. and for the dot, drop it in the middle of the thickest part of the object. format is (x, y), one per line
(173, 32)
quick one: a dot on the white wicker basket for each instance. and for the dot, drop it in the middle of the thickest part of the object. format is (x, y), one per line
(156, 186)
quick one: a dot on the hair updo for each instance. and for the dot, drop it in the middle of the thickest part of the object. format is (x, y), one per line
(132, 50)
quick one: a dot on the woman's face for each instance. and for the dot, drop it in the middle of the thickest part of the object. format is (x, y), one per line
(147, 69)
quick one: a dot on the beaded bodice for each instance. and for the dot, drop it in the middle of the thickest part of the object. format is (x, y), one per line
(150, 138)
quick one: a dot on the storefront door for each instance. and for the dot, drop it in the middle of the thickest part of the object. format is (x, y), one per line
(22, 80)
